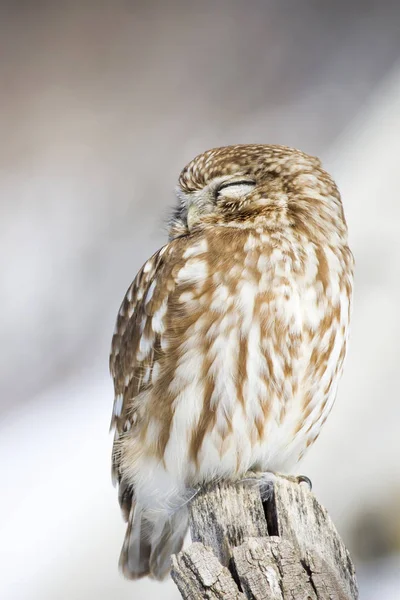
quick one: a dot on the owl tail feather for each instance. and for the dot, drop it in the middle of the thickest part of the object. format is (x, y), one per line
(149, 543)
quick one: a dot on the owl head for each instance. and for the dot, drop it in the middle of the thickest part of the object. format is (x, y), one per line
(262, 186)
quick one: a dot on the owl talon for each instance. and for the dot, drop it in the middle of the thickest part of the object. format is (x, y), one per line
(304, 479)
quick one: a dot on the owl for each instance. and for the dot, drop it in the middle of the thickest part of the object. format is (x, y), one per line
(230, 341)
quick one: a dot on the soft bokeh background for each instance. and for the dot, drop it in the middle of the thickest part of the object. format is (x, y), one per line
(102, 104)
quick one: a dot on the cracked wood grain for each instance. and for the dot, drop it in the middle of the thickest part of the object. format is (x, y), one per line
(312, 532)
(270, 568)
(222, 516)
(282, 548)
(198, 574)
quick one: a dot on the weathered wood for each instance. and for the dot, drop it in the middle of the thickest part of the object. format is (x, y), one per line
(303, 520)
(198, 574)
(269, 568)
(222, 516)
(283, 547)
(272, 568)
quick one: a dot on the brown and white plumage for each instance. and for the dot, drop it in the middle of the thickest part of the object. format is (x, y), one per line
(230, 341)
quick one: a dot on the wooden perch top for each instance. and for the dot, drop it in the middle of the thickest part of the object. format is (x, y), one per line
(278, 544)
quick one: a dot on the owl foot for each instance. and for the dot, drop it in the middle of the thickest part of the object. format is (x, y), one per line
(304, 479)
(297, 479)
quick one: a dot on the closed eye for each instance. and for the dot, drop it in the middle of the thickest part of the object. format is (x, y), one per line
(235, 189)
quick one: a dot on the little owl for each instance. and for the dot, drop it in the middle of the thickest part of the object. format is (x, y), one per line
(230, 342)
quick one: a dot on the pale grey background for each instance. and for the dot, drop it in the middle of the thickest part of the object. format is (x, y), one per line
(102, 104)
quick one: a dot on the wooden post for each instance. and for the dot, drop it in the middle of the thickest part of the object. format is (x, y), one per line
(270, 541)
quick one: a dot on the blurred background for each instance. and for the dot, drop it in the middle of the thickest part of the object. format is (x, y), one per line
(102, 104)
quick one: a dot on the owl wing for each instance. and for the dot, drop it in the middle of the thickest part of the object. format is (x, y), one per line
(136, 343)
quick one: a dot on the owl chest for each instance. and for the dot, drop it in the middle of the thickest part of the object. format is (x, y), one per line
(259, 348)
(262, 322)
(270, 290)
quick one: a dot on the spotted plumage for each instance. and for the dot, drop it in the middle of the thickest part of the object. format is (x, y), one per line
(230, 341)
